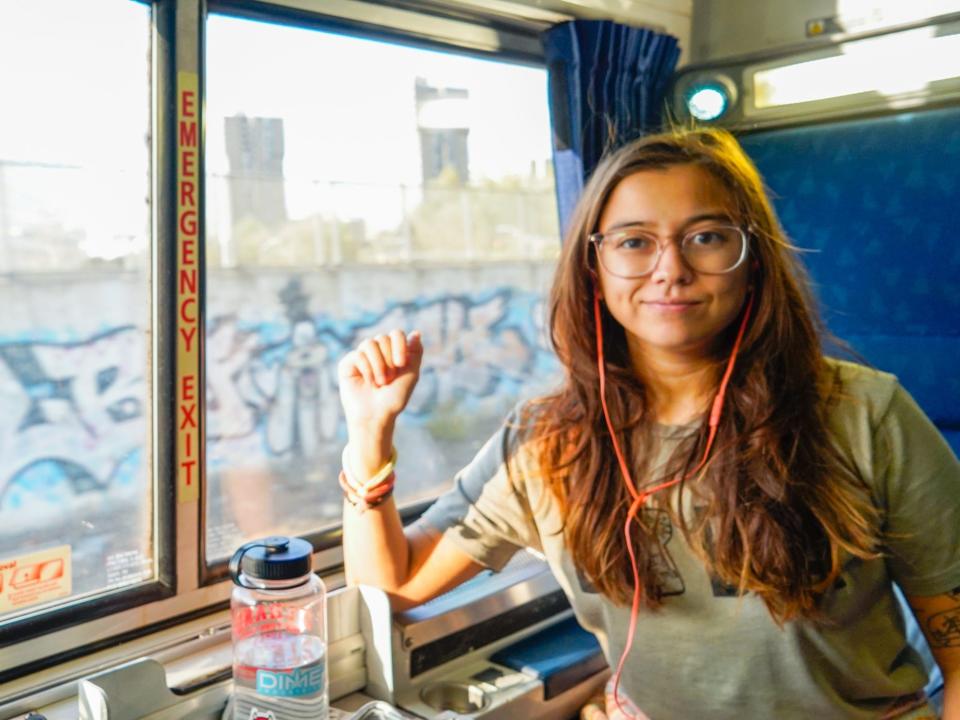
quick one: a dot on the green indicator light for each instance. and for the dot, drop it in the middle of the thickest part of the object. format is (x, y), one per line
(707, 103)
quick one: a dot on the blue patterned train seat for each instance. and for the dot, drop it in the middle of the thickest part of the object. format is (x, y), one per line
(876, 203)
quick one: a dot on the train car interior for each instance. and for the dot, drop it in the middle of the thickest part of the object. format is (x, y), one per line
(205, 204)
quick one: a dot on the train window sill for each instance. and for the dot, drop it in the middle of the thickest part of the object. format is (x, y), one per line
(193, 668)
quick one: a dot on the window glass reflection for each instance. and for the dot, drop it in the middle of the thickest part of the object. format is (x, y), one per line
(354, 186)
(74, 241)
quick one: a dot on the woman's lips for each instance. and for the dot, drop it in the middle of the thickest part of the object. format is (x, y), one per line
(671, 306)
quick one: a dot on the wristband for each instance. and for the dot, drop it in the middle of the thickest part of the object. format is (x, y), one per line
(378, 477)
(372, 493)
(368, 500)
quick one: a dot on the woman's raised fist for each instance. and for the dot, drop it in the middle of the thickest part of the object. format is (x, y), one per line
(377, 379)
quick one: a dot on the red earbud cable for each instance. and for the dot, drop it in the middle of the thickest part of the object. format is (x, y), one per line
(640, 497)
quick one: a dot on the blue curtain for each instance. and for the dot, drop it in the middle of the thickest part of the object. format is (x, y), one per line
(608, 84)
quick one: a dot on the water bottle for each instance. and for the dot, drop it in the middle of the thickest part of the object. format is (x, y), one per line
(279, 617)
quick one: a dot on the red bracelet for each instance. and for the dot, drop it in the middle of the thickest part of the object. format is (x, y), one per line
(373, 497)
(361, 491)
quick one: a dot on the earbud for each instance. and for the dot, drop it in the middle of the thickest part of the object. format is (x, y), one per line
(754, 267)
(597, 293)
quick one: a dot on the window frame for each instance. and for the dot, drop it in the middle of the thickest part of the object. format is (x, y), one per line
(413, 23)
(293, 13)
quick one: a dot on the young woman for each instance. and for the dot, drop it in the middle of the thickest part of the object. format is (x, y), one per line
(726, 508)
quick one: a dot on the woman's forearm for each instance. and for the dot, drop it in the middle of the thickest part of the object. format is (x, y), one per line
(375, 548)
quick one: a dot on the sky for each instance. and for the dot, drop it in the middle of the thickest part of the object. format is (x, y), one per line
(74, 95)
(350, 102)
(350, 116)
(74, 83)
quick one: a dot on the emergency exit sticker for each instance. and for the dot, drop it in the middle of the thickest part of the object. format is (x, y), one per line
(36, 578)
(188, 319)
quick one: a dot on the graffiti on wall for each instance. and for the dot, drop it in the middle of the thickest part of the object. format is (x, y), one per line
(72, 412)
(76, 409)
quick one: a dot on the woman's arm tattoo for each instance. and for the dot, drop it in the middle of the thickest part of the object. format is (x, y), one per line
(943, 628)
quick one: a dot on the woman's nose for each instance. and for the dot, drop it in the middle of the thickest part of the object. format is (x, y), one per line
(671, 266)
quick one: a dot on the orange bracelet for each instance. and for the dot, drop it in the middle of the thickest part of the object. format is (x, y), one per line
(379, 477)
(366, 491)
(370, 499)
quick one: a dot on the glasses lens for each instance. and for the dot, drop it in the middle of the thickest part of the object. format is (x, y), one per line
(713, 250)
(629, 253)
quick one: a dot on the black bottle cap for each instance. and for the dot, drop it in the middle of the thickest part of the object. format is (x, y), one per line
(272, 558)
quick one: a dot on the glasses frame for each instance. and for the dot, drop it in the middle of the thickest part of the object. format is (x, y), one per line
(597, 238)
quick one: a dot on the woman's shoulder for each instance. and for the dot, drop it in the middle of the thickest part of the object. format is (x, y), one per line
(516, 437)
(869, 409)
(531, 429)
(530, 419)
(859, 389)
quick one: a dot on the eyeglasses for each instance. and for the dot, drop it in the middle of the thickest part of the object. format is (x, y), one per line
(632, 252)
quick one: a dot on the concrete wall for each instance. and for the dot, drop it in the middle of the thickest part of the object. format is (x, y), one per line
(74, 383)
(74, 425)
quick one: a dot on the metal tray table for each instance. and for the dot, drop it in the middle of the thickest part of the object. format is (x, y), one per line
(378, 710)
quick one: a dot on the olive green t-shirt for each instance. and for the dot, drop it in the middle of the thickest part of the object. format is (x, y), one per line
(708, 653)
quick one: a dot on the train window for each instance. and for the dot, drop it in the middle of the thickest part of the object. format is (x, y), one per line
(872, 65)
(74, 279)
(354, 186)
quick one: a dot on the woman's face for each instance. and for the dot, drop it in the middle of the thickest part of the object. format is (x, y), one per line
(674, 309)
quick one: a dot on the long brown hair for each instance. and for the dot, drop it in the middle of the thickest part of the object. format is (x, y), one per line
(779, 504)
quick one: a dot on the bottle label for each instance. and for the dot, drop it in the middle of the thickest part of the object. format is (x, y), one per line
(261, 715)
(297, 682)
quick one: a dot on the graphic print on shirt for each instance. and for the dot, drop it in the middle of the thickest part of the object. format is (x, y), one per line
(668, 578)
(720, 588)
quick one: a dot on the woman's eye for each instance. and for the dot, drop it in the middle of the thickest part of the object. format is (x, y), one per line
(635, 242)
(707, 237)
